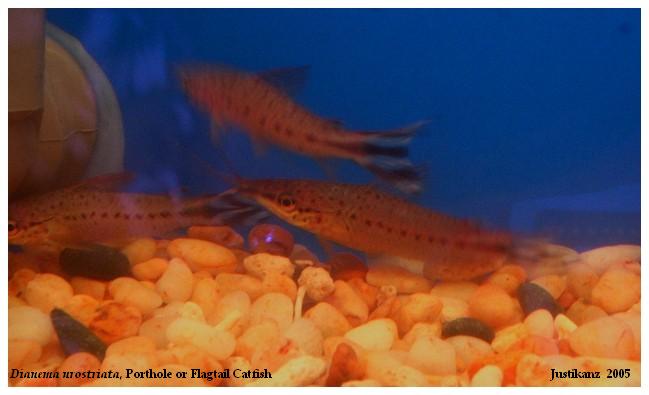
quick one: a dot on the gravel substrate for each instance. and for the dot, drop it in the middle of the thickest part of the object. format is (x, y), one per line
(204, 302)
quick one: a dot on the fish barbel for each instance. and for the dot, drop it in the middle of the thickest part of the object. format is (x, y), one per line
(88, 213)
(369, 220)
(259, 104)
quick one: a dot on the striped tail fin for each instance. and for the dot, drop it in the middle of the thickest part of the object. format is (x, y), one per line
(385, 154)
(235, 210)
(540, 256)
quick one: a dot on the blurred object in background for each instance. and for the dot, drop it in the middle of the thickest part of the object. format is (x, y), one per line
(583, 221)
(64, 119)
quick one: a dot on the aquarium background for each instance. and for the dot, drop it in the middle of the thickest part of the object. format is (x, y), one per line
(535, 114)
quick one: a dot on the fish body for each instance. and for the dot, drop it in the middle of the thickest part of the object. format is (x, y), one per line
(367, 219)
(256, 104)
(82, 215)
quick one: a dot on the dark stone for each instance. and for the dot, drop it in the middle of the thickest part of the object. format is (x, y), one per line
(469, 327)
(98, 262)
(533, 297)
(74, 336)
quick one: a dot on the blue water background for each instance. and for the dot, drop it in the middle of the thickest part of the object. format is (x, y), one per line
(535, 113)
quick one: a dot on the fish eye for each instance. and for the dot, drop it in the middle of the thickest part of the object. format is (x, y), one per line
(13, 228)
(286, 201)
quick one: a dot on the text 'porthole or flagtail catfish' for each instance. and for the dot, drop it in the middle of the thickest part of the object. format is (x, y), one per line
(369, 220)
(261, 105)
(93, 211)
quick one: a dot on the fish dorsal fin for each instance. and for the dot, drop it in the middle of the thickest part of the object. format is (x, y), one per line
(106, 182)
(290, 80)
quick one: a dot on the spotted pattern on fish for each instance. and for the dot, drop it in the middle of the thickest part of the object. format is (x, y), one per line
(370, 220)
(76, 215)
(267, 113)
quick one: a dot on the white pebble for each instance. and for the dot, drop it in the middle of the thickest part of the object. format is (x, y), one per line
(563, 326)
(488, 376)
(259, 265)
(317, 281)
(297, 372)
(23, 352)
(469, 349)
(415, 308)
(274, 306)
(176, 283)
(140, 250)
(47, 291)
(233, 301)
(220, 344)
(606, 337)
(348, 302)
(432, 355)
(201, 254)
(29, 323)
(328, 319)
(137, 295)
(540, 323)
(306, 335)
(616, 291)
(453, 308)
(375, 335)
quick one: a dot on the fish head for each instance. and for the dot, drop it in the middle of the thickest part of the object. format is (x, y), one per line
(23, 233)
(299, 202)
(25, 226)
(277, 196)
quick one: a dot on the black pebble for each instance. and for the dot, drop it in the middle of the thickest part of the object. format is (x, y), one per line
(533, 297)
(74, 336)
(469, 327)
(99, 262)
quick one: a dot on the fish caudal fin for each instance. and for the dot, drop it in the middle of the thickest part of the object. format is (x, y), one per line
(540, 253)
(385, 154)
(235, 210)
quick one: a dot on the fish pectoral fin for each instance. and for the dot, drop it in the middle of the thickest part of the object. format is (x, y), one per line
(290, 80)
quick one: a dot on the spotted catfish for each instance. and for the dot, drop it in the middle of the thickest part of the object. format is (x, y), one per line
(365, 218)
(261, 106)
(92, 212)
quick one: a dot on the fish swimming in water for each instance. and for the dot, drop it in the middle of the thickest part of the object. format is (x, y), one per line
(367, 219)
(260, 104)
(92, 212)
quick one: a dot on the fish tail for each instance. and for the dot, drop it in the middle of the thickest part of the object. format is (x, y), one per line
(234, 210)
(533, 251)
(205, 207)
(385, 154)
(222, 209)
